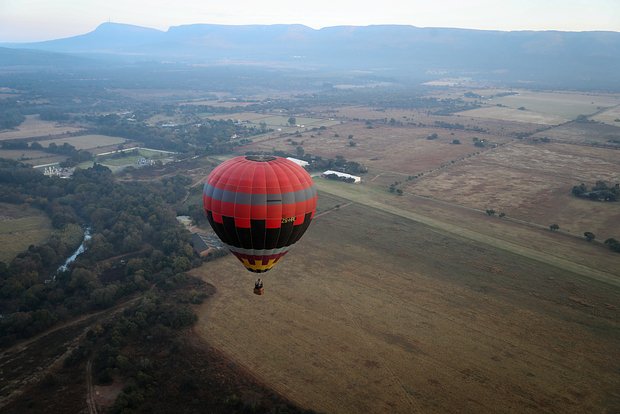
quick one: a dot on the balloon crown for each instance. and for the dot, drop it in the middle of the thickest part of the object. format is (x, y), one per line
(260, 158)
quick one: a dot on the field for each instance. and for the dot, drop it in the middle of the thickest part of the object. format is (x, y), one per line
(19, 228)
(533, 183)
(278, 122)
(33, 157)
(390, 315)
(34, 127)
(546, 108)
(86, 142)
(390, 153)
(513, 114)
(582, 133)
(120, 161)
(610, 116)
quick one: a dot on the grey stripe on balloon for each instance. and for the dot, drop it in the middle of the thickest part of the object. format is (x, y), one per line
(291, 197)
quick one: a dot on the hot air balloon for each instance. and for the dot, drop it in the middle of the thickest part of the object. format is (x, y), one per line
(259, 206)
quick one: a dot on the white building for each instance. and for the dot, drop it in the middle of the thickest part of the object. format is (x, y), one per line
(355, 178)
(301, 163)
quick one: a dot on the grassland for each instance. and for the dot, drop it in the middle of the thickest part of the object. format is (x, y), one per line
(34, 127)
(610, 116)
(19, 228)
(120, 161)
(422, 302)
(33, 157)
(533, 183)
(374, 312)
(86, 142)
(514, 114)
(546, 108)
(278, 122)
(582, 133)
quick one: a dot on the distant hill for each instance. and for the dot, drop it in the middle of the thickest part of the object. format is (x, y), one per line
(568, 59)
(29, 58)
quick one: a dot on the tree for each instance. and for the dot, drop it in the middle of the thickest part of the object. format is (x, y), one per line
(502, 214)
(490, 212)
(613, 244)
(554, 227)
(292, 121)
(589, 236)
(456, 141)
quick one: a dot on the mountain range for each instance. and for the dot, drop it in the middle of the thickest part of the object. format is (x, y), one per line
(546, 58)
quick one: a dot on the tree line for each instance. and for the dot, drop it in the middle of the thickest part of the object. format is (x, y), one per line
(125, 218)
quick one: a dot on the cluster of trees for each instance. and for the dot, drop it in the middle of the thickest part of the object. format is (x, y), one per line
(144, 348)
(601, 191)
(125, 218)
(456, 125)
(491, 212)
(339, 178)
(613, 244)
(10, 117)
(316, 162)
(210, 137)
(74, 155)
(394, 188)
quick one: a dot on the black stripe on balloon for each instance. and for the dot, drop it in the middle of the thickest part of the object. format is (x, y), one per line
(231, 231)
(218, 228)
(258, 234)
(285, 234)
(245, 237)
(299, 230)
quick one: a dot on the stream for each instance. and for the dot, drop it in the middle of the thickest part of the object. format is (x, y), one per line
(75, 254)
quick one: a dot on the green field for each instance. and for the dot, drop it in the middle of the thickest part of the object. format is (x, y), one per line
(119, 161)
(19, 228)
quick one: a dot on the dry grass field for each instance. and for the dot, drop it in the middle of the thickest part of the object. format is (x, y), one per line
(34, 127)
(86, 142)
(514, 114)
(389, 152)
(418, 116)
(583, 133)
(610, 116)
(532, 183)
(374, 313)
(564, 104)
(547, 108)
(32, 157)
(19, 228)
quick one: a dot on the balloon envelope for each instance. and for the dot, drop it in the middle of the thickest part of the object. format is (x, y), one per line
(259, 206)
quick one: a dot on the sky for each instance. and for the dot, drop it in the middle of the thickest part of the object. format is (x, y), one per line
(33, 20)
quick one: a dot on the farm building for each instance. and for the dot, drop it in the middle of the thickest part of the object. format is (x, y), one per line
(206, 244)
(54, 171)
(301, 163)
(341, 175)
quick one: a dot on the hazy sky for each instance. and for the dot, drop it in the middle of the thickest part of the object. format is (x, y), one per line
(27, 20)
